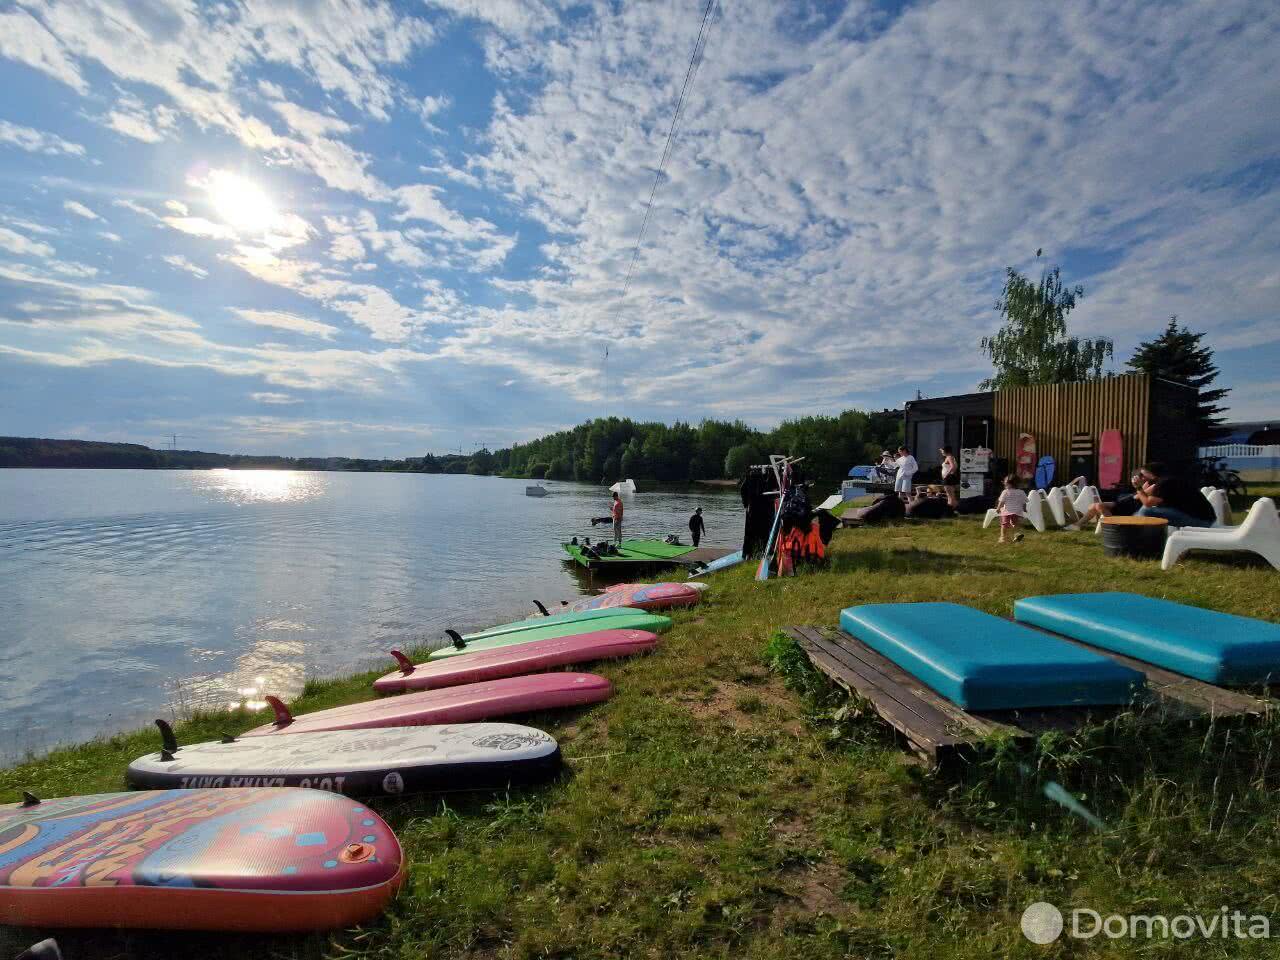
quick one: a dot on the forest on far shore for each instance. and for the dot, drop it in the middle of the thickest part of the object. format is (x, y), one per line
(598, 451)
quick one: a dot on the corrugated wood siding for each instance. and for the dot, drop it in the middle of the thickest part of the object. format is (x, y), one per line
(1052, 412)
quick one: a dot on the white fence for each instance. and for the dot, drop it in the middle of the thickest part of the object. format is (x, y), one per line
(1241, 450)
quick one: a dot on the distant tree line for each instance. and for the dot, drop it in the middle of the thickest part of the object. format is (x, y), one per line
(598, 451)
(612, 448)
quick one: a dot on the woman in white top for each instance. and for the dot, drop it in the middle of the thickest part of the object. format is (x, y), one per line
(907, 468)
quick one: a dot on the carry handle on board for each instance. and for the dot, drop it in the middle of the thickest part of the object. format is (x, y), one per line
(404, 663)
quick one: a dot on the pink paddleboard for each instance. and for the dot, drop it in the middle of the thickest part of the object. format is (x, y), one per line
(514, 661)
(1110, 459)
(642, 596)
(464, 704)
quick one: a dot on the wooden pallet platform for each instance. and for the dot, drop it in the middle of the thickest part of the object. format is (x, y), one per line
(943, 733)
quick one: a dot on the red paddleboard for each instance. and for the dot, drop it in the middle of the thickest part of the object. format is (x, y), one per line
(514, 661)
(642, 596)
(1025, 456)
(271, 859)
(1110, 459)
(465, 704)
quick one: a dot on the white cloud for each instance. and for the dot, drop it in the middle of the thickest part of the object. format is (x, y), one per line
(200, 227)
(281, 320)
(111, 237)
(25, 39)
(346, 247)
(21, 246)
(79, 209)
(134, 119)
(37, 141)
(273, 398)
(182, 263)
(135, 207)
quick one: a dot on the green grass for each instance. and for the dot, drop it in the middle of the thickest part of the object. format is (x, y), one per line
(727, 802)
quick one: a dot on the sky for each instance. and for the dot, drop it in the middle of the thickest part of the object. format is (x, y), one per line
(337, 227)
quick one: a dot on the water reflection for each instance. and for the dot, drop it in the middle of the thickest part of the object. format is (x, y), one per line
(260, 486)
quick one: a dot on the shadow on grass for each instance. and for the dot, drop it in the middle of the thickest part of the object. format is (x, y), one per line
(912, 561)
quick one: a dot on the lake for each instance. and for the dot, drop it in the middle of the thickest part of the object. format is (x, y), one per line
(131, 594)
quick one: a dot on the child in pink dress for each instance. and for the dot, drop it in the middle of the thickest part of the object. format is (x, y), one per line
(1012, 506)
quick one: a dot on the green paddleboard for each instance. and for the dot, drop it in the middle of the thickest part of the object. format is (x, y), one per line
(561, 625)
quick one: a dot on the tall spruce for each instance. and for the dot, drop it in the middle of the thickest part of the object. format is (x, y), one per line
(1033, 347)
(1178, 355)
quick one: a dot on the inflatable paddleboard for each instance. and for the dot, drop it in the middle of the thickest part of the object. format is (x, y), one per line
(359, 763)
(731, 560)
(1044, 472)
(544, 628)
(515, 661)
(640, 596)
(1025, 456)
(1110, 459)
(464, 704)
(261, 860)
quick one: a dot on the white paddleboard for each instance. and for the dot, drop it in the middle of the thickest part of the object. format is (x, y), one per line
(360, 763)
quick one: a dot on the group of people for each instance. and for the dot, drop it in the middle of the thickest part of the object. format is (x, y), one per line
(904, 468)
(1158, 491)
(697, 526)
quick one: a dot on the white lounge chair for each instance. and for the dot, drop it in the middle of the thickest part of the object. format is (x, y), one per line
(1060, 506)
(1087, 498)
(1260, 534)
(992, 515)
(1037, 511)
(1221, 507)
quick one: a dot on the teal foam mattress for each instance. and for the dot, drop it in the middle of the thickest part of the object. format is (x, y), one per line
(1215, 647)
(981, 662)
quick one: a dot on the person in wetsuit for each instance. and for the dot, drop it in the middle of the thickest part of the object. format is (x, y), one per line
(696, 526)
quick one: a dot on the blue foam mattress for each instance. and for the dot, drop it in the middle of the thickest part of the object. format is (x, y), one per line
(981, 662)
(1215, 647)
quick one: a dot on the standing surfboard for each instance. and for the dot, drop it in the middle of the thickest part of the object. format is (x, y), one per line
(359, 763)
(464, 704)
(1025, 456)
(1045, 468)
(261, 860)
(1082, 463)
(1110, 459)
(514, 661)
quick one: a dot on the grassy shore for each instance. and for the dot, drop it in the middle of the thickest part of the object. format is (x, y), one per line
(728, 803)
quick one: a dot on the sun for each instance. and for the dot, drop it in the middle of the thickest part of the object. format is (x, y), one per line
(240, 203)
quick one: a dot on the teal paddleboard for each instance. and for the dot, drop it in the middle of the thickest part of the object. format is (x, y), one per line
(561, 625)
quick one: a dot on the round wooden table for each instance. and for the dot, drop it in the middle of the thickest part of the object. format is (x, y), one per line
(1134, 536)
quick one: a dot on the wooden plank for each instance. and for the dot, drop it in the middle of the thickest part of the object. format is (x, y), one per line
(904, 713)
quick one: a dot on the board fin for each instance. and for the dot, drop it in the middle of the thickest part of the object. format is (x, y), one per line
(456, 637)
(44, 950)
(29, 799)
(404, 663)
(168, 742)
(541, 609)
(283, 716)
(227, 738)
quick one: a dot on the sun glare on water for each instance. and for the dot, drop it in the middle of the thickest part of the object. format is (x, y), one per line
(240, 203)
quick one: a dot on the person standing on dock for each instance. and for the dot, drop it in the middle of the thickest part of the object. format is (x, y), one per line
(907, 467)
(616, 510)
(696, 526)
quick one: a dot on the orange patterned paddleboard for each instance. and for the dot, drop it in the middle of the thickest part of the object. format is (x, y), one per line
(249, 860)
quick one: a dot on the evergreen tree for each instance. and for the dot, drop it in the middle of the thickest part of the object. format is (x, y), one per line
(1033, 347)
(1178, 356)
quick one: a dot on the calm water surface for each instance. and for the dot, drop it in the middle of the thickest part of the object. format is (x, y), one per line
(131, 594)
